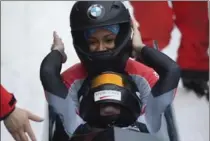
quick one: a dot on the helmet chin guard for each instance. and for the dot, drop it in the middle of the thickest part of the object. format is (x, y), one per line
(110, 89)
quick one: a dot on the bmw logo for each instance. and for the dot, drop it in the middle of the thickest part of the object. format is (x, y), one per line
(95, 11)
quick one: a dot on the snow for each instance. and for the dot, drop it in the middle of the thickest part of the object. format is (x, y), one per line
(26, 38)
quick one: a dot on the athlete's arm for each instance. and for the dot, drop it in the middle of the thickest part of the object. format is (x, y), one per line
(57, 93)
(7, 103)
(50, 74)
(162, 93)
(167, 69)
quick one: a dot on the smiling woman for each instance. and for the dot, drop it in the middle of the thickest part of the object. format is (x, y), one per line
(104, 44)
(26, 36)
(102, 38)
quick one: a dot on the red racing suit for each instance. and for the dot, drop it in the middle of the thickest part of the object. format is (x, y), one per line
(191, 17)
(7, 103)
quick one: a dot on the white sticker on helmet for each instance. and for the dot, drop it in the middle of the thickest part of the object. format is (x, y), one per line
(107, 94)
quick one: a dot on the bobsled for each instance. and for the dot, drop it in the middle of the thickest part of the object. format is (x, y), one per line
(168, 131)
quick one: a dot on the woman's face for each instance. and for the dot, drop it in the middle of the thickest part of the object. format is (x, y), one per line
(101, 40)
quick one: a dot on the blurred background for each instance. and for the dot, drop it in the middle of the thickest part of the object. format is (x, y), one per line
(181, 29)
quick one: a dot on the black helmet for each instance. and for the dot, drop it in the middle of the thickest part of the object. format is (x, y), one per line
(91, 14)
(110, 89)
